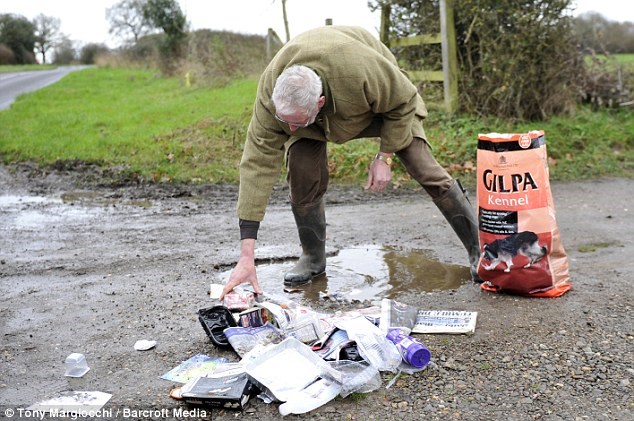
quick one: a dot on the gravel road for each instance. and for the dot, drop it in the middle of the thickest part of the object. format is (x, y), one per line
(91, 268)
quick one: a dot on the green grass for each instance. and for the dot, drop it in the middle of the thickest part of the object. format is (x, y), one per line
(588, 144)
(24, 67)
(613, 62)
(155, 127)
(158, 129)
(592, 247)
(625, 58)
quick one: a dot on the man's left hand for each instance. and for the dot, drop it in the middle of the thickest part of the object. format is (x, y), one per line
(379, 176)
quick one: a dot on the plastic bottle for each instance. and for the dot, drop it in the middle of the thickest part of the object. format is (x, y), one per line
(413, 352)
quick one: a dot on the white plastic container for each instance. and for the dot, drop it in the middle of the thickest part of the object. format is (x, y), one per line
(76, 365)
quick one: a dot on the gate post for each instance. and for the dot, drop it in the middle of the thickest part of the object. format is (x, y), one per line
(449, 55)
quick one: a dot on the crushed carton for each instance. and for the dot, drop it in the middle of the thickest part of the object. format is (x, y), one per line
(231, 391)
(254, 317)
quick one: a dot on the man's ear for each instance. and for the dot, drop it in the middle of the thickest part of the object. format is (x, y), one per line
(321, 102)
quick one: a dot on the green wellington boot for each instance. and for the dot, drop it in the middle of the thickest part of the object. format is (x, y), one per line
(311, 226)
(456, 208)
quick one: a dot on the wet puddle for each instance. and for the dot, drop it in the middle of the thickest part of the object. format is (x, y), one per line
(37, 212)
(11, 201)
(69, 198)
(368, 273)
(28, 212)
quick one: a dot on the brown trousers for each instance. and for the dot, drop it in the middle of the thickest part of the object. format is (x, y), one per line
(307, 176)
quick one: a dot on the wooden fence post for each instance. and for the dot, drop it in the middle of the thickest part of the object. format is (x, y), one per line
(385, 24)
(272, 39)
(447, 41)
(269, 44)
(449, 55)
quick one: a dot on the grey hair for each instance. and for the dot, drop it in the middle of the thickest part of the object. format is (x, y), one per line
(297, 88)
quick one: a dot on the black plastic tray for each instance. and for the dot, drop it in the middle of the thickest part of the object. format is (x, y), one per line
(215, 320)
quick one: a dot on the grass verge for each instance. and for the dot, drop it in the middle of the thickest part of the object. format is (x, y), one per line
(26, 67)
(161, 130)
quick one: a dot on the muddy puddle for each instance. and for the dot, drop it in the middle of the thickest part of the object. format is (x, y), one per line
(360, 273)
(69, 198)
(32, 212)
(366, 273)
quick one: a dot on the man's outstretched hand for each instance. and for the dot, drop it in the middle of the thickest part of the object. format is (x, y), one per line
(379, 176)
(244, 272)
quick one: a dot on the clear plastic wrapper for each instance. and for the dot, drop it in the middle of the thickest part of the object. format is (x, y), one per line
(302, 323)
(244, 339)
(373, 346)
(372, 313)
(239, 300)
(358, 377)
(289, 367)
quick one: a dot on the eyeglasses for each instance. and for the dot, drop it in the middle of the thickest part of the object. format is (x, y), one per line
(310, 121)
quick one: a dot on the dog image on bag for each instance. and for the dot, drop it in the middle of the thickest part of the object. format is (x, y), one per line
(504, 250)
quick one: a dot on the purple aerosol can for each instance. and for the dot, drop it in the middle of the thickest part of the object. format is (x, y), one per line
(412, 351)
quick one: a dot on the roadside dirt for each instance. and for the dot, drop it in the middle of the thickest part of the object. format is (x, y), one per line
(92, 268)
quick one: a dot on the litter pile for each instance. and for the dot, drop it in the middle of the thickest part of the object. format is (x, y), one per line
(301, 358)
(289, 354)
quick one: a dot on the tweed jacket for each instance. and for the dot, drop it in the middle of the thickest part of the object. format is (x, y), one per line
(367, 95)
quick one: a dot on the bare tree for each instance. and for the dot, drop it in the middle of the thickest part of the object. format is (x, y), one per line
(599, 34)
(127, 20)
(65, 51)
(288, 33)
(46, 34)
(285, 19)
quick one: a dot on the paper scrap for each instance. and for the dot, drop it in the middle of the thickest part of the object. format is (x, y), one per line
(75, 402)
(144, 345)
(195, 366)
(443, 321)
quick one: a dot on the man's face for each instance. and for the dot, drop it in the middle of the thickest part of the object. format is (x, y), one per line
(299, 119)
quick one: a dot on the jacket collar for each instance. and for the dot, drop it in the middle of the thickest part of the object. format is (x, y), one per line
(329, 106)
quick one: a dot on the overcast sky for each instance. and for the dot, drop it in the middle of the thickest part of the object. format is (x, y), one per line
(84, 21)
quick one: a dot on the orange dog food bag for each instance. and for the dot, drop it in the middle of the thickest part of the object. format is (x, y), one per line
(522, 252)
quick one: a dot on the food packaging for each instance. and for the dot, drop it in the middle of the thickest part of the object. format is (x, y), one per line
(254, 317)
(239, 300)
(231, 391)
(215, 320)
(244, 339)
(287, 368)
